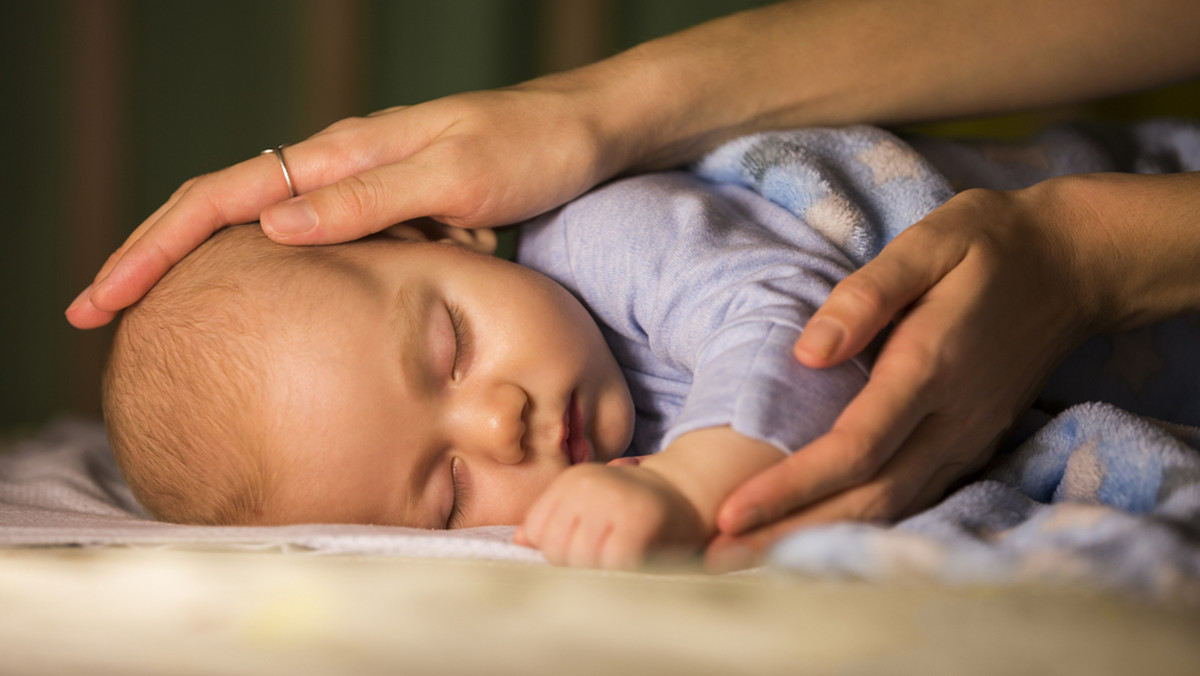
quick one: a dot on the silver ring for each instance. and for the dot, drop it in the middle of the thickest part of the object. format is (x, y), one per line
(277, 151)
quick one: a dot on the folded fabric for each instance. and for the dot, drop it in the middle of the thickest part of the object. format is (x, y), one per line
(1097, 497)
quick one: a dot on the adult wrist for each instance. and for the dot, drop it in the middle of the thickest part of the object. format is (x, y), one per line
(1132, 241)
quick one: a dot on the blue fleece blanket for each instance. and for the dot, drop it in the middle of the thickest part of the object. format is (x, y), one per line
(1093, 488)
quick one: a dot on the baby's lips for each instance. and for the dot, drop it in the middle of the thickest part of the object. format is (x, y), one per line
(632, 460)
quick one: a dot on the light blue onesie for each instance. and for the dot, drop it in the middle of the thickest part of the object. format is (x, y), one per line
(702, 281)
(701, 289)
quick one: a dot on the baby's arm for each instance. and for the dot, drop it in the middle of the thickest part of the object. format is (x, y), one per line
(610, 516)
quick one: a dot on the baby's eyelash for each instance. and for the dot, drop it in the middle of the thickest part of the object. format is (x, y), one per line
(456, 507)
(462, 337)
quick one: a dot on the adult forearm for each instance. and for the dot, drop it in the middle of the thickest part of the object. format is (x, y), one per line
(1133, 242)
(883, 61)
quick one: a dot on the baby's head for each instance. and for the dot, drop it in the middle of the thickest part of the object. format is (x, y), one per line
(402, 380)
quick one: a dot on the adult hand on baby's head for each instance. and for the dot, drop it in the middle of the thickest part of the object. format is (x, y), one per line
(987, 297)
(474, 159)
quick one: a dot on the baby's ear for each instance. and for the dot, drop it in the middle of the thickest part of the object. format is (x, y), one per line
(482, 240)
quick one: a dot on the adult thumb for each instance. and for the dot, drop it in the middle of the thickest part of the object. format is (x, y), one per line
(354, 207)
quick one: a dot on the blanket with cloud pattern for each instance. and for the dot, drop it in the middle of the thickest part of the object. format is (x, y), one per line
(1100, 484)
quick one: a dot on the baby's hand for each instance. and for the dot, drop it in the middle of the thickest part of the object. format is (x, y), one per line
(610, 517)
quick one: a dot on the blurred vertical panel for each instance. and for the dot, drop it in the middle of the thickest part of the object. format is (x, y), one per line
(641, 20)
(330, 52)
(423, 50)
(31, 295)
(213, 83)
(94, 161)
(110, 104)
(573, 33)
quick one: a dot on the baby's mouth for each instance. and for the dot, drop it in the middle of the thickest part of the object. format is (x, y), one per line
(575, 444)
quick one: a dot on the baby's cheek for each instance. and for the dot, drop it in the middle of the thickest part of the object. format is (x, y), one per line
(614, 424)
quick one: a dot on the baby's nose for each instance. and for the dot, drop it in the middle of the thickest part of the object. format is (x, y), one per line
(492, 422)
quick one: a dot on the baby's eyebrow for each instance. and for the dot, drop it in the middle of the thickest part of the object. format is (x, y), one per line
(410, 309)
(412, 341)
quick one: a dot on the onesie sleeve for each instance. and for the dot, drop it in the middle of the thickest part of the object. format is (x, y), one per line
(746, 377)
(701, 290)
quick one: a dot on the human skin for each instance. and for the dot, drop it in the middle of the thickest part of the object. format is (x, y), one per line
(418, 397)
(979, 335)
(496, 157)
(619, 516)
(512, 153)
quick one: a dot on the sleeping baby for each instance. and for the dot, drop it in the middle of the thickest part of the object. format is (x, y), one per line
(604, 393)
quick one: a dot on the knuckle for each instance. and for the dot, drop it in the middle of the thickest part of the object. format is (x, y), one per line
(186, 186)
(475, 184)
(863, 457)
(863, 293)
(211, 200)
(917, 364)
(359, 195)
(979, 198)
(879, 502)
(343, 125)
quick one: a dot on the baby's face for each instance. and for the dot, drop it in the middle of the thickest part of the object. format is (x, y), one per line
(421, 384)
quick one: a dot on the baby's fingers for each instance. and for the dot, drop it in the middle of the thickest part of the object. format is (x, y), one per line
(531, 531)
(556, 539)
(549, 526)
(589, 542)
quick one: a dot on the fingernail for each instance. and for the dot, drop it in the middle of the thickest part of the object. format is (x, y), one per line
(748, 519)
(81, 298)
(293, 217)
(820, 338)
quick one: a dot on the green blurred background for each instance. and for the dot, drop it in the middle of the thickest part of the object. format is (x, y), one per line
(110, 104)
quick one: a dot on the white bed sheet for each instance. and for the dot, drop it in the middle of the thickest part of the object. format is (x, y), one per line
(62, 488)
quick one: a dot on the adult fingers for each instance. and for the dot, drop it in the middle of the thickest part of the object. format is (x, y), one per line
(863, 303)
(81, 313)
(236, 194)
(728, 552)
(906, 385)
(947, 477)
(141, 230)
(427, 184)
(863, 438)
(915, 478)
(912, 470)
(233, 195)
